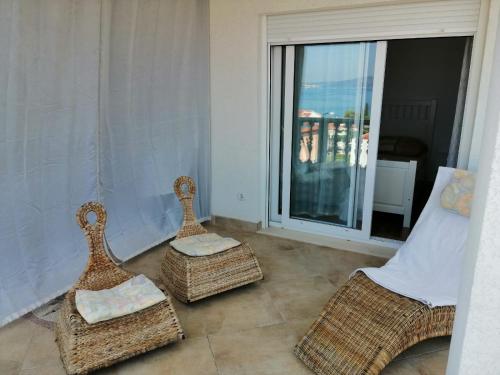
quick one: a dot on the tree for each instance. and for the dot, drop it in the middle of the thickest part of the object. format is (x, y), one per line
(349, 113)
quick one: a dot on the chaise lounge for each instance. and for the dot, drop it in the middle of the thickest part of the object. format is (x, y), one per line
(365, 325)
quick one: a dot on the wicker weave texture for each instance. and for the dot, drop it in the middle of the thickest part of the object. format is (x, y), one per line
(86, 347)
(364, 326)
(192, 278)
(190, 226)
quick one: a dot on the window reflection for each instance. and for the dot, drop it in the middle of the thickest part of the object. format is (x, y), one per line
(333, 93)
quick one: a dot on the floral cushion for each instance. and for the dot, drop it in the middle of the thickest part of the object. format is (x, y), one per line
(457, 195)
(133, 295)
(203, 244)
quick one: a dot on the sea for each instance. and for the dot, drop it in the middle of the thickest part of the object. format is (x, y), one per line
(334, 99)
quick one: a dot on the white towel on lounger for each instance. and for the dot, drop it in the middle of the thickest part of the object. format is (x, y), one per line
(428, 265)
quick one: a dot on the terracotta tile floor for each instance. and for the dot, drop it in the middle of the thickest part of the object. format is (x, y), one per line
(251, 330)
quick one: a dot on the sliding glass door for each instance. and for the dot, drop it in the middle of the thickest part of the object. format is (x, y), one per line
(325, 117)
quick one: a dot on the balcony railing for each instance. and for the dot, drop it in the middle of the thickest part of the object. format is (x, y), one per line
(330, 142)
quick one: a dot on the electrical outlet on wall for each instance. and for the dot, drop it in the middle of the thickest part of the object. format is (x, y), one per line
(241, 197)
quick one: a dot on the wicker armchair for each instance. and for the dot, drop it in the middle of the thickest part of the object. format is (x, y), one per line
(364, 326)
(86, 347)
(190, 278)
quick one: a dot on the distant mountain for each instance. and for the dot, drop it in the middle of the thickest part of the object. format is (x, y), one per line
(348, 83)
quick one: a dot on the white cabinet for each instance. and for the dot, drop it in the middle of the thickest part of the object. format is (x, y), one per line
(394, 186)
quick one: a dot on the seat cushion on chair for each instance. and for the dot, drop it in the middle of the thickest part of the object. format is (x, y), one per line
(203, 244)
(135, 294)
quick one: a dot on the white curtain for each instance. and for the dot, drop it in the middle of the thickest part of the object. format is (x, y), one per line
(103, 100)
(48, 146)
(154, 117)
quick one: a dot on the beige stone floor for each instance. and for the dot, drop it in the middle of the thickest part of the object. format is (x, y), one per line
(251, 330)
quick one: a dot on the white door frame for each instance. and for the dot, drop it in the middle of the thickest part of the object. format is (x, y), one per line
(473, 101)
(376, 108)
(275, 132)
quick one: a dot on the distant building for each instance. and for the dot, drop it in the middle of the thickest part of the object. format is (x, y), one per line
(309, 113)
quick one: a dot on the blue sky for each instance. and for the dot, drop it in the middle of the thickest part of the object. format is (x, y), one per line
(332, 62)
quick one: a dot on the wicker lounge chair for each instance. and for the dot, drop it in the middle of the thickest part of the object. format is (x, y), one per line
(86, 347)
(190, 278)
(364, 326)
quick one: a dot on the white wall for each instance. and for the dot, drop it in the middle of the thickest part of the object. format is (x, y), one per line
(492, 25)
(475, 345)
(237, 142)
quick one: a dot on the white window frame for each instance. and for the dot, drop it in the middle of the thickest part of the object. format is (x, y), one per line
(275, 132)
(376, 106)
(475, 97)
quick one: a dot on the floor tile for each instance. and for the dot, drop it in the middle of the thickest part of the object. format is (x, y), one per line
(9, 367)
(279, 265)
(432, 363)
(336, 265)
(189, 357)
(42, 350)
(426, 347)
(420, 362)
(44, 370)
(302, 297)
(263, 351)
(148, 264)
(15, 338)
(251, 330)
(405, 367)
(242, 308)
(300, 327)
(279, 259)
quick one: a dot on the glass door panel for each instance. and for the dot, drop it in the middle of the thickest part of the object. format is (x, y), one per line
(332, 98)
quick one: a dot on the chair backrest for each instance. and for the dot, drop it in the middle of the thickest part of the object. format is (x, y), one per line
(99, 261)
(185, 189)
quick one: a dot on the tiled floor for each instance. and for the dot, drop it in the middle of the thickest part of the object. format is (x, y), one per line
(251, 330)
